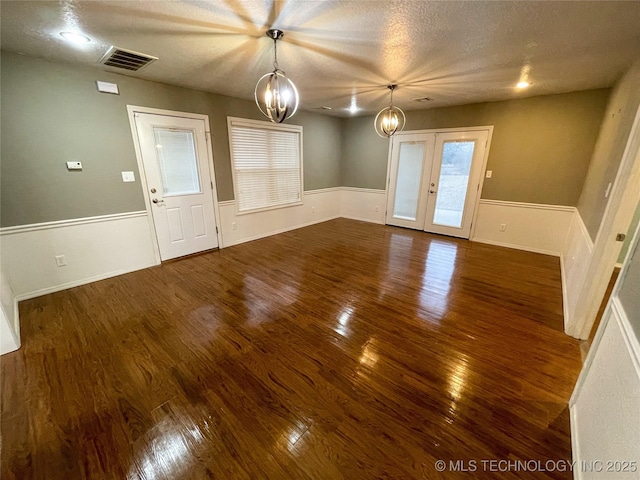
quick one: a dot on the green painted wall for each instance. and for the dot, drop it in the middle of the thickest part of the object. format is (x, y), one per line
(52, 113)
(540, 150)
(607, 155)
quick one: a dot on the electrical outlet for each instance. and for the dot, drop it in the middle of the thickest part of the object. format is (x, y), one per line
(313, 209)
(61, 261)
(377, 208)
(234, 226)
(503, 227)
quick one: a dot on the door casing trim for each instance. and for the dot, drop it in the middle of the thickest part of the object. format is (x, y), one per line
(483, 168)
(131, 111)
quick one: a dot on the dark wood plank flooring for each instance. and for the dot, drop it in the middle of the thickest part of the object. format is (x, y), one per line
(343, 350)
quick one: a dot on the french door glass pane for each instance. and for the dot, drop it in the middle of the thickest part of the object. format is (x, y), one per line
(178, 162)
(410, 159)
(453, 183)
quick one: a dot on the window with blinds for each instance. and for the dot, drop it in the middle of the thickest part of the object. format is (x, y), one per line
(267, 164)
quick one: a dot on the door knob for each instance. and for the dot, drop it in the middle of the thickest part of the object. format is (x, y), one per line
(432, 191)
(157, 202)
(153, 190)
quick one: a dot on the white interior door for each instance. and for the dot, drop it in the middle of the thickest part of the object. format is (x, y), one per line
(410, 168)
(454, 183)
(174, 155)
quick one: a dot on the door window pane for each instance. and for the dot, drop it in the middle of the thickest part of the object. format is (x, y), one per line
(453, 183)
(410, 159)
(177, 161)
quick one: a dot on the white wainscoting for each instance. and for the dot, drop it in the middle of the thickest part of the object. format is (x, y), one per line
(363, 204)
(605, 426)
(574, 262)
(529, 226)
(9, 320)
(101, 247)
(95, 248)
(319, 206)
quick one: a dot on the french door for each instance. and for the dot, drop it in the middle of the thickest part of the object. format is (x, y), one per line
(434, 180)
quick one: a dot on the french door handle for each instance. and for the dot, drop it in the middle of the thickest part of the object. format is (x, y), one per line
(157, 202)
(432, 191)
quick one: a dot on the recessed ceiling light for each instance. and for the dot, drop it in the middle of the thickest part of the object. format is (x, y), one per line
(75, 37)
(523, 84)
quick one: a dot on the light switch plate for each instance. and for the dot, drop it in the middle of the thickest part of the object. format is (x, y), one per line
(74, 165)
(128, 177)
(489, 174)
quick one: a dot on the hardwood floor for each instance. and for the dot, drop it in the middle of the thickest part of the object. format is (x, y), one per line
(343, 350)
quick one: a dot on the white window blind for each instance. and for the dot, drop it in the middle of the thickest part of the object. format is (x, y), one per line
(267, 164)
(177, 161)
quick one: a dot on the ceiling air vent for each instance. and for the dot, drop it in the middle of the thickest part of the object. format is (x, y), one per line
(423, 99)
(126, 59)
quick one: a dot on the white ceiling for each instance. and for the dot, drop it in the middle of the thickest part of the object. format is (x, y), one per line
(455, 52)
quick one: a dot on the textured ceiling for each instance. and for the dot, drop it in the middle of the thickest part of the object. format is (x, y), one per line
(338, 52)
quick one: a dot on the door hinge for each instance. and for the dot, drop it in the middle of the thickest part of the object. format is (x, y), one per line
(216, 229)
(620, 237)
(211, 184)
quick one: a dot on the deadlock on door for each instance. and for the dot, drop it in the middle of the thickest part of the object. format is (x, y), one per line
(155, 200)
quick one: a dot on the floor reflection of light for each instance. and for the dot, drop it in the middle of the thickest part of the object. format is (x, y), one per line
(369, 357)
(456, 383)
(276, 294)
(289, 438)
(398, 264)
(170, 455)
(436, 282)
(343, 321)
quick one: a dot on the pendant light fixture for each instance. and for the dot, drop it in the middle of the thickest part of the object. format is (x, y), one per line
(276, 96)
(390, 120)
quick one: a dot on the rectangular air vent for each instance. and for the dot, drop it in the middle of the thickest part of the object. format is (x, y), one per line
(126, 59)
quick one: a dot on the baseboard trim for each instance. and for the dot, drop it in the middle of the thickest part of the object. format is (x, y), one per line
(363, 190)
(322, 190)
(362, 219)
(537, 206)
(77, 283)
(69, 223)
(276, 232)
(517, 247)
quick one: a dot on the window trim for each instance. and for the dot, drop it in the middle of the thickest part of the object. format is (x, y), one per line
(244, 122)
